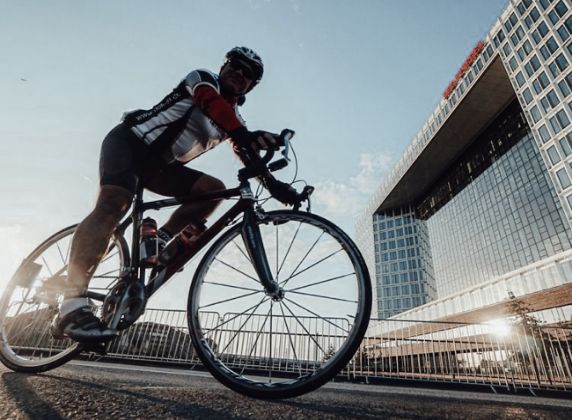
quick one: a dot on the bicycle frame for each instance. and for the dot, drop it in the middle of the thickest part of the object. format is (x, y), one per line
(250, 234)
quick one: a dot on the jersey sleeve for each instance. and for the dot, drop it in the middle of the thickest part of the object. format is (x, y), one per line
(201, 77)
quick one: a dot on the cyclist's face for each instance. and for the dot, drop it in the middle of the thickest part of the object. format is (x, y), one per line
(236, 77)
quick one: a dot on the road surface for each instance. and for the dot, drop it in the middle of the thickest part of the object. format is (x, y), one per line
(86, 390)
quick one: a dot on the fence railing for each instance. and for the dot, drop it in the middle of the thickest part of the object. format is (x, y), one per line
(513, 355)
(499, 355)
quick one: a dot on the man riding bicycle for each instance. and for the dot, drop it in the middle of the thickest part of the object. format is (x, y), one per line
(151, 147)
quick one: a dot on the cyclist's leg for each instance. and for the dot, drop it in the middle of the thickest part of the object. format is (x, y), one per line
(92, 236)
(119, 160)
(184, 183)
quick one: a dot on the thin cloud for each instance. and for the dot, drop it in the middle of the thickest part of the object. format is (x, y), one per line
(348, 199)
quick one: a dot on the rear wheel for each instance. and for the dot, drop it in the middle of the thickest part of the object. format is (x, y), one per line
(32, 297)
(286, 345)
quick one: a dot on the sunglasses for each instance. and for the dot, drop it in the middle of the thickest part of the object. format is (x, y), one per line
(244, 68)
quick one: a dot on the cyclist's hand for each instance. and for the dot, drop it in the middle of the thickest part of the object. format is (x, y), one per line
(256, 140)
(282, 191)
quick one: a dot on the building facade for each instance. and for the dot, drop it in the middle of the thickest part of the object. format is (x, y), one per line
(485, 187)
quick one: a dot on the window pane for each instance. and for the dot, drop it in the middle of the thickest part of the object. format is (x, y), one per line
(544, 133)
(563, 178)
(553, 155)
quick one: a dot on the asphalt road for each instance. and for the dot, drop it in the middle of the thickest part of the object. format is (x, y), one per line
(87, 390)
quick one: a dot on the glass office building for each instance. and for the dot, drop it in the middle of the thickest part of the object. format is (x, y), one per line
(484, 190)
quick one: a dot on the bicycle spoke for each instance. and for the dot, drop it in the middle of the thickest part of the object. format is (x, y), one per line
(290, 340)
(237, 270)
(317, 315)
(242, 252)
(231, 286)
(304, 259)
(277, 249)
(244, 323)
(270, 344)
(289, 248)
(303, 327)
(107, 257)
(326, 297)
(60, 252)
(47, 266)
(230, 299)
(257, 337)
(320, 282)
(68, 252)
(313, 265)
(255, 306)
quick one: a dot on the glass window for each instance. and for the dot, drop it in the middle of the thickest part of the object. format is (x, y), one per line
(555, 125)
(506, 49)
(545, 104)
(563, 31)
(540, 32)
(512, 63)
(519, 79)
(545, 3)
(553, 17)
(535, 112)
(532, 65)
(563, 178)
(552, 98)
(553, 155)
(527, 95)
(560, 8)
(534, 14)
(544, 133)
(563, 118)
(564, 88)
(543, 79)
(561, 61)
(565, 146)
(568, 24)
(513, 19)
(549, 48)
(528, 22)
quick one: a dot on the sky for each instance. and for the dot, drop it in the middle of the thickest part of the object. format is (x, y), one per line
(355, 79)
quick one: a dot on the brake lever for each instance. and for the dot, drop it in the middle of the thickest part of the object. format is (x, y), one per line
(285, 137)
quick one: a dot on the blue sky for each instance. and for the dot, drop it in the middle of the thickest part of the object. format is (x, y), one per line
(355, 79)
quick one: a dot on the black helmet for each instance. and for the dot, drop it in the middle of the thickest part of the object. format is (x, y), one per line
(250, 57)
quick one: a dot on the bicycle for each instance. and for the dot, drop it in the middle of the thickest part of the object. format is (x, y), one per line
(277, 306)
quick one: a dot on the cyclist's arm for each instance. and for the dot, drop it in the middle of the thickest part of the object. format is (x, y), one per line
(216, 107)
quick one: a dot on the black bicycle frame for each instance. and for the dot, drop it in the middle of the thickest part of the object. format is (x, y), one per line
(250, 234)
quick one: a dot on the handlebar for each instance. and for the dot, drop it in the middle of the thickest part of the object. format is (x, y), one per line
(260, 166)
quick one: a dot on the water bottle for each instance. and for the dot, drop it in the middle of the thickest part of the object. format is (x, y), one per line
(148, 248)
(180, 243)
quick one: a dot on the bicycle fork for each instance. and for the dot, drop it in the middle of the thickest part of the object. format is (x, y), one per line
(255, 248)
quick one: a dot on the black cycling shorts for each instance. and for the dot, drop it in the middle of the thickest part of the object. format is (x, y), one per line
(126, 160)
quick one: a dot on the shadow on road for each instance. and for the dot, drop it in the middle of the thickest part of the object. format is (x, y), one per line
(26, 398)
(177, 409)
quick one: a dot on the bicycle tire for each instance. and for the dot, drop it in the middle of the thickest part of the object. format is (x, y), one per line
(290, 374)
(31, 299)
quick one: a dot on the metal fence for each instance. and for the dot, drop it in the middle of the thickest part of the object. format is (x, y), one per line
(513, 355)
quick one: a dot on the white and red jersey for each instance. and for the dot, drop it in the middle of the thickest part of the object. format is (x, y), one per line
(190, 120)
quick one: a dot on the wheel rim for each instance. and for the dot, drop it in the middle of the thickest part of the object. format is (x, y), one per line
(30, 301)
(308, 332)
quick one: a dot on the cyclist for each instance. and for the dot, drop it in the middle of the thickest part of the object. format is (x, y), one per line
(151, 146)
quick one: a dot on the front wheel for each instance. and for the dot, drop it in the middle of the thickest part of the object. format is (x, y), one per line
(32, 297)
(280, 346)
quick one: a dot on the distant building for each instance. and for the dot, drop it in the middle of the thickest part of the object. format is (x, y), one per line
(480, 204)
